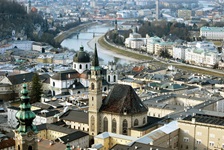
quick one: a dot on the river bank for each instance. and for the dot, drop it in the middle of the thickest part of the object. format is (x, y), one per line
(65, 34)
(104, 50)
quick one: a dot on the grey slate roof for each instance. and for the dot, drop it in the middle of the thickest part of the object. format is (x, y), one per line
(66, 75)
(19, 78)
(75, 116)
(73, 136)
(122, 98)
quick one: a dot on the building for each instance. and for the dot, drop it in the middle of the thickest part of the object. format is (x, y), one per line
(59, 134)
(212, 33)
(75, 80)
(202, 131)
(166, 137)
(25, 132)
(151, 44)
(184, 13)
(135, 41)
(118, 112)
(179, 52)
(11, 84)
(199, 56)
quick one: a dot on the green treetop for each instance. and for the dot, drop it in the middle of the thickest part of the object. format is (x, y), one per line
(36, 89)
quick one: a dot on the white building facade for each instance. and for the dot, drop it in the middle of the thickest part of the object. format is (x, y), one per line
(212, 33)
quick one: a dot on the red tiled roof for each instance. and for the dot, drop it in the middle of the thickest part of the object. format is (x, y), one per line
(7, 143)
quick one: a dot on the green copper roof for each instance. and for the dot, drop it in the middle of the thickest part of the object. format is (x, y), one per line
(68, 147)
(25, 116)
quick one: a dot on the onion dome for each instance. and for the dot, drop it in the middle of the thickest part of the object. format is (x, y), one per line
(81, 56)
(25, 116)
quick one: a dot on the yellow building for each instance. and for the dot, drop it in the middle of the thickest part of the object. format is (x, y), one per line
(165, 136)
(202, 131)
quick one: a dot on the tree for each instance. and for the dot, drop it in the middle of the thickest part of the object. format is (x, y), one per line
(164, 53)
(36, 89)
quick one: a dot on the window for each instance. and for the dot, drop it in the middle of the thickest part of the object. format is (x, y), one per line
(211, 144)
(18, 147)
(125, 127)
(80, 66)
(186, 139)
(105, 124)
(86, 66)
(105, 88)
(198, 141)
(144, 120)
(30, 148)
(114, 126)
(92, 86)
(114, 78)
(108, 78)
(75, 66)
(199, 133)
(53, 83)
(212, 135)
(136, 122)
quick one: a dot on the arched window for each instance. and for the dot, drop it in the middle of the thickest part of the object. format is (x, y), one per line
(136, 122)
(18, 147)
(86, 66)
(92, 86)
(53, 83)
(105, 88)
(75, 66)
(105, 124)
(125, 127)
(144, 120)
(108, 78)
(80, 66)
(30, 148)
(92, 127)
(114, 126)
(114, 78)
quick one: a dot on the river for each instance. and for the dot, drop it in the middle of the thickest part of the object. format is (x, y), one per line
(85, 36)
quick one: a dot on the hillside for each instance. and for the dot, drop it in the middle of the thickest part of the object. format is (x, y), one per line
(13, 16)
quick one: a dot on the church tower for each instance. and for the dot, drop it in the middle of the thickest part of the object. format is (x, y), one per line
(95, 95)
(29, 7)
(26, 132)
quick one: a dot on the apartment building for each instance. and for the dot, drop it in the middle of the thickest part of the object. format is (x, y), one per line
(202, 131)
(212, 33)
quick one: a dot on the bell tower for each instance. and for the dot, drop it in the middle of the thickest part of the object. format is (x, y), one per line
(95, 94)
(25, 132)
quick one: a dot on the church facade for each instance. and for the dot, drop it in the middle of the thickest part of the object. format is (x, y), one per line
(121, 110)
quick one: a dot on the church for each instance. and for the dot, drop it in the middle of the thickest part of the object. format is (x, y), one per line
(121, 110)
(75, 80)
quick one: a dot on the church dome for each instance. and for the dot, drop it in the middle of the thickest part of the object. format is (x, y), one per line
(81, 56)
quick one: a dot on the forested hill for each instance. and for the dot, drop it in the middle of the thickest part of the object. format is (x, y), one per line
(13, 16)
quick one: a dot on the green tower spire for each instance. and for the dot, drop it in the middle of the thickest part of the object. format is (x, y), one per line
(25, 116)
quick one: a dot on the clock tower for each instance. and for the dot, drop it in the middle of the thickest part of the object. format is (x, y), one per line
(25, 132)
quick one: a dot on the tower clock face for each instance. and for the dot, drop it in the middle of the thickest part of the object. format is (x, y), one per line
(29, 136)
